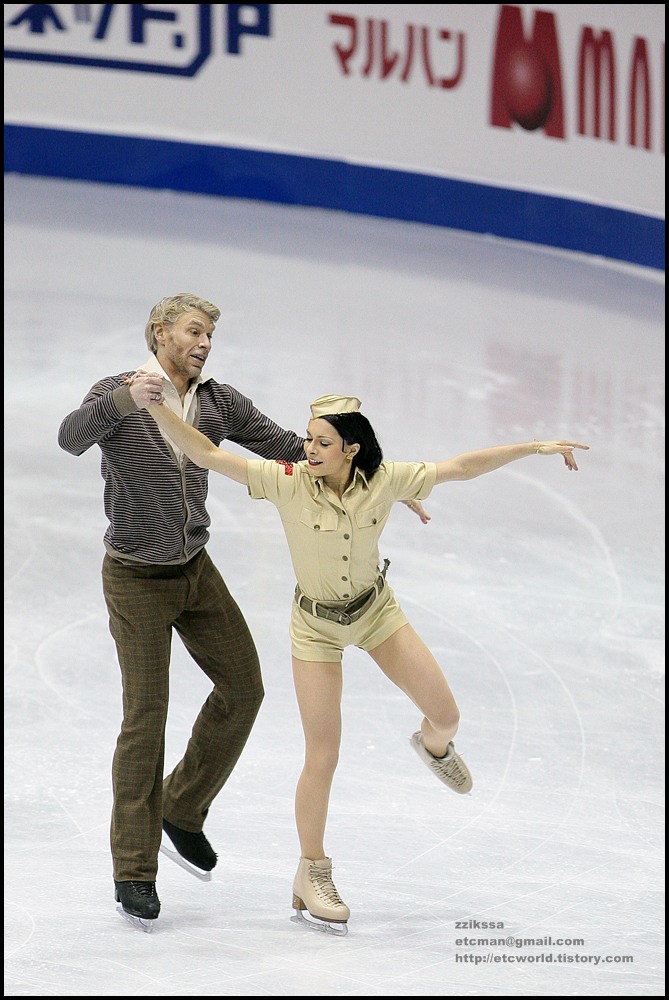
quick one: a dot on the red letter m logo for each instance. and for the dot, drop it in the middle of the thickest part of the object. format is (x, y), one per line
(596, 63)
(527, 76)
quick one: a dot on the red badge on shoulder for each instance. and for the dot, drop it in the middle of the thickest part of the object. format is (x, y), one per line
(287, 466)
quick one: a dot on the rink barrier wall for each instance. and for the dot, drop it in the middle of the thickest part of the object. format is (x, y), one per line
(289, 179)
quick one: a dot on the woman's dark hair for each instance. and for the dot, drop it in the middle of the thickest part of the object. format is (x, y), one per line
(355, 428)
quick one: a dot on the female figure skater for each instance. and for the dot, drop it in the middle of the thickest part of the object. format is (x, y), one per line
(334, 506)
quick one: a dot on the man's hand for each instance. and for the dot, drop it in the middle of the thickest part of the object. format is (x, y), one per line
(417, 507)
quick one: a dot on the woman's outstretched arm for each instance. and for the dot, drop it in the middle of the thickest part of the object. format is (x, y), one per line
(476, 463)
(197, 446)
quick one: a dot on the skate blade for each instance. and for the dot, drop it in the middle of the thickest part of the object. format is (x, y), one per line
(336, 929)
(186, 865)
(138, 922)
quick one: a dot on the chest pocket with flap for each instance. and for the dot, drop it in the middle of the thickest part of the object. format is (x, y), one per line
(372, 516)
(319, 520)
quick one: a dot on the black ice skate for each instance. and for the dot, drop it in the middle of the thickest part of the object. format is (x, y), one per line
(139, 903)
(193, 852)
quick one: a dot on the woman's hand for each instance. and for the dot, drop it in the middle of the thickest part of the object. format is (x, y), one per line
(417, 507)
(564, 448)
(146, 388)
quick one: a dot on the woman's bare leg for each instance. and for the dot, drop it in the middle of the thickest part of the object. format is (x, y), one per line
(318, 687)
(408, 663)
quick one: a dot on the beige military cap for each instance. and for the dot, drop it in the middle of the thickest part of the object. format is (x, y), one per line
(325, 405)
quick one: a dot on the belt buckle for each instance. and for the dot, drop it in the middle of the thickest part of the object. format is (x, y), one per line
(343, 618)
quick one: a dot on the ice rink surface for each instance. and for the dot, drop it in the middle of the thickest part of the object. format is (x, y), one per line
(541, 592)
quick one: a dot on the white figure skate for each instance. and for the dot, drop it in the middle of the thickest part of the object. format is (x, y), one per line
(451, 769)
(316, 901)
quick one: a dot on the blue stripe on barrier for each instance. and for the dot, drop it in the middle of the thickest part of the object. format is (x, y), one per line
(335, 184)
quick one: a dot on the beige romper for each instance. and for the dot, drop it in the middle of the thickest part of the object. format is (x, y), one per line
(334, 546)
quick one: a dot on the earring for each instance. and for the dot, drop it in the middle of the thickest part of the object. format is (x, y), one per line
(349, 457)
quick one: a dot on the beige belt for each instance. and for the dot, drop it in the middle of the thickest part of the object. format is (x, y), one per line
(342, 612)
